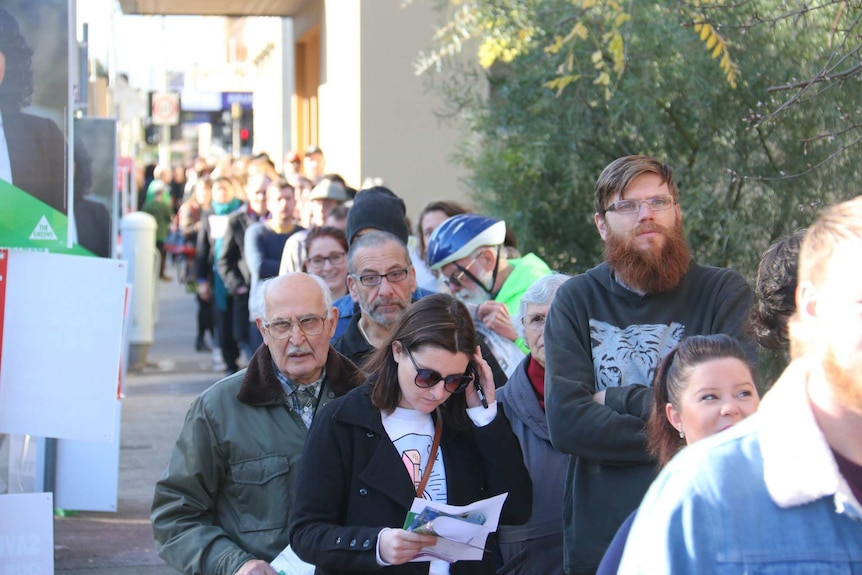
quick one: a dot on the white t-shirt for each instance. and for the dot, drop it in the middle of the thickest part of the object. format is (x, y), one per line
(412, 433)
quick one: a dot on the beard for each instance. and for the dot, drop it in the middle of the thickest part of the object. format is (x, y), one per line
(385, 318)
(845, 381)
(475, 294)
(653, 270)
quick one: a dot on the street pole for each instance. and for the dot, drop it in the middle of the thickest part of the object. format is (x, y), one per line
(236, 117)
(165, 139)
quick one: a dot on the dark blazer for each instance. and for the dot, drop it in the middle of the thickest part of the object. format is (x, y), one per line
(231, 264)
(352, 483)
(37, 156)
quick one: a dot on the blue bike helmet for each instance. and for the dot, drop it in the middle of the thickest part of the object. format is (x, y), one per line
(460, 235)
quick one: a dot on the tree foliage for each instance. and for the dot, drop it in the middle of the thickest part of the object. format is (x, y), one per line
(756, 104)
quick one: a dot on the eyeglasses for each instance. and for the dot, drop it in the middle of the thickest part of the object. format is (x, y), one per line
(534, 322)
(283, 328)
(655, 203)
(372, 280)
(426, 378)
(335, 259)
(455, 279)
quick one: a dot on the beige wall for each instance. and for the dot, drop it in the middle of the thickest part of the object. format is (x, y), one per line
(402, 140)
(376, 117)
(341, 117)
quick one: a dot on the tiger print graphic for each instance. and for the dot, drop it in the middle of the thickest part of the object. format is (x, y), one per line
(630, 355)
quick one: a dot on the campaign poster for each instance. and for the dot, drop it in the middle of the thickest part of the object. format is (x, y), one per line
(35, 117)
(94, 185)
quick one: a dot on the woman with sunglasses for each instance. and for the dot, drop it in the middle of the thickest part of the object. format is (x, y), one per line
(418, 428)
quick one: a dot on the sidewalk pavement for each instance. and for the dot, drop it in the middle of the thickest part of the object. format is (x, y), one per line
(157, 397)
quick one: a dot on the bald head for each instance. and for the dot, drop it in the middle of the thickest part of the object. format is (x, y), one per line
(297, 321)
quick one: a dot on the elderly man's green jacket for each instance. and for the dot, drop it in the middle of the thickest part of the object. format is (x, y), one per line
(226, 495)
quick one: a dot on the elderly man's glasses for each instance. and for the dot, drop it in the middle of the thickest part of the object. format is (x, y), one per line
(282, 328)
(455, 279)
(535, 322)
(335, 259)
(655, 203)
(426, 378)
(371, 280)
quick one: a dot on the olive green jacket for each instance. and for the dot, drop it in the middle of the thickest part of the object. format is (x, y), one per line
(226, 494)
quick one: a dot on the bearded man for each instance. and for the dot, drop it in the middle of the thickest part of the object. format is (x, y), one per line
(467, 249)
(606, 332)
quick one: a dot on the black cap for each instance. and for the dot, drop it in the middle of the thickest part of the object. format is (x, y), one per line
(380, 209)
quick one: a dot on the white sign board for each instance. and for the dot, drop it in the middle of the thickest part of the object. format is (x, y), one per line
(27, 533)
(62, 333)
(87, 473)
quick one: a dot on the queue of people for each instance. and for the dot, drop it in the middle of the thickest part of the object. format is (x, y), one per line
(444, 365)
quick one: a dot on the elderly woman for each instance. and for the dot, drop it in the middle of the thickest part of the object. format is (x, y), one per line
(537, 546)
(371, 452)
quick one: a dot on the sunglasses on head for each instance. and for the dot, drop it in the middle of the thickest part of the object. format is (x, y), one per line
(426, 378)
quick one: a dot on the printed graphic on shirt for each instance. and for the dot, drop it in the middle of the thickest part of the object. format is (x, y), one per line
(631, 355)
(415, 450)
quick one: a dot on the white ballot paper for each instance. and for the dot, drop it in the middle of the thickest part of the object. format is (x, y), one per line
(461, 530)
(289, 563)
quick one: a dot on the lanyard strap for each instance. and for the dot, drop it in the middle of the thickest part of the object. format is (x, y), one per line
(438, 431)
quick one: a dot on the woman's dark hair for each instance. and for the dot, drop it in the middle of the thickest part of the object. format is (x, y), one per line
(447, 207)
(671, 379)
(775, 292)
(438, 321)
(17, 86)
(324, 232)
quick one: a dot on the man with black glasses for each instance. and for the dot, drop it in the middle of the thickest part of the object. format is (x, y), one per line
(222, 504)
(606, 332)
(468, 251)
(381, 280)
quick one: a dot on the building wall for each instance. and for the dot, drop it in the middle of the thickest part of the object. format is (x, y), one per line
(271, 49)
(403, 141)
(341, 117)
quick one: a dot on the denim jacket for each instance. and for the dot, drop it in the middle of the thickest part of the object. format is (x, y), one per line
(763, 497)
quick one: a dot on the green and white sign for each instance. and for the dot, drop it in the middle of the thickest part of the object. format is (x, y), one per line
(30, 224)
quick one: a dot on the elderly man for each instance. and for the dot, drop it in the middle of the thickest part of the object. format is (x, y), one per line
(468, 251)
(782, 491)
(221, 506)
(606, 332)
(380, 279)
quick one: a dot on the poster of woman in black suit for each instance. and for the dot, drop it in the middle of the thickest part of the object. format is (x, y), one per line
(35, 148)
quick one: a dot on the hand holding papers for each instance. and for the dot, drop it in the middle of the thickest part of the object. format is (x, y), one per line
(461, 530)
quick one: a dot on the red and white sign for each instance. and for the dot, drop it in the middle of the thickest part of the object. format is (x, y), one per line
(166, 108)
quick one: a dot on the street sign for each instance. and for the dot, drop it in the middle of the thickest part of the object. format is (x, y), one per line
(165, 109)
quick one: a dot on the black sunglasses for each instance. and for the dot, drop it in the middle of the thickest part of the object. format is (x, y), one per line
(426, 378)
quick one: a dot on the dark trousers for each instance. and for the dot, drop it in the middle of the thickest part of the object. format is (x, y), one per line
(228, 345)
(255, 339)
(240, 323)
(205, 317)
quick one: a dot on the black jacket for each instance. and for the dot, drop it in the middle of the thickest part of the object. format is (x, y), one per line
(231, 264)
(352, 483)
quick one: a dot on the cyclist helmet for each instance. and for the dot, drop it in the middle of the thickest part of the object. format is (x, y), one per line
(460, 235)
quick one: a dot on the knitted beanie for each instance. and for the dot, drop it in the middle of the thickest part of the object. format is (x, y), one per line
(378, 208)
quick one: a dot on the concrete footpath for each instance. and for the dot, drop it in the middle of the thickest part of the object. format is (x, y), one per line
(156, 400)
